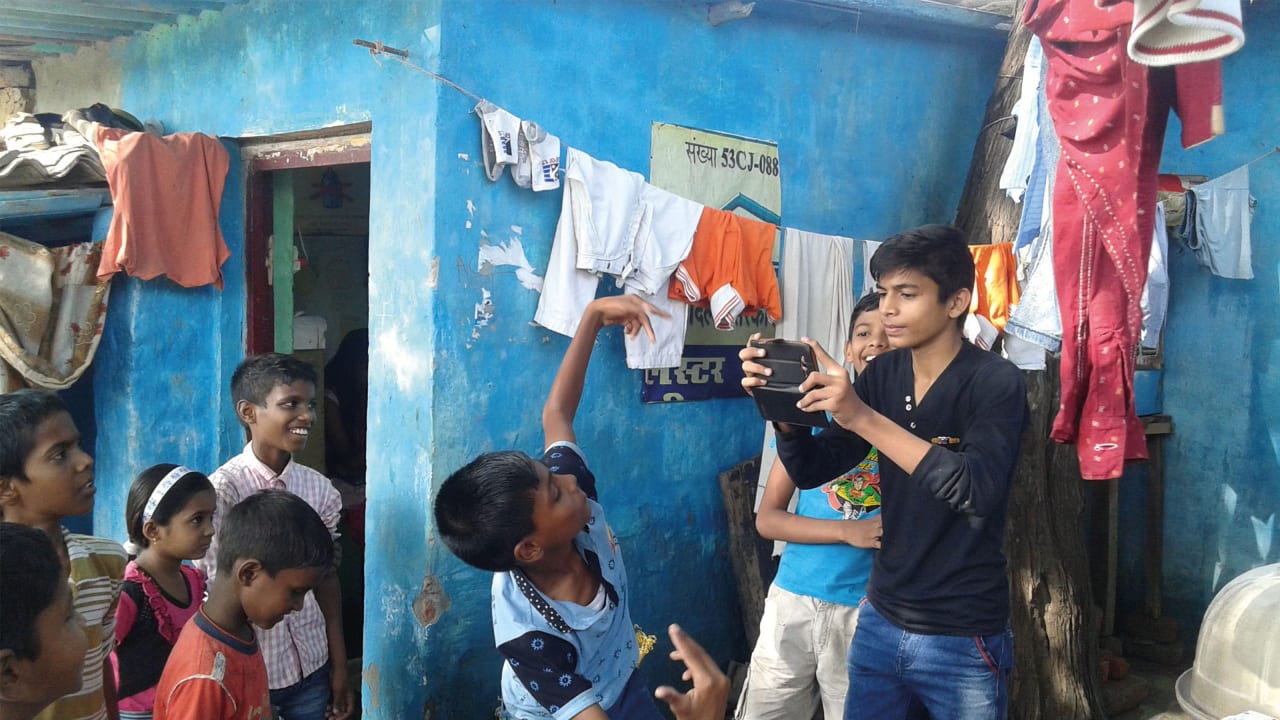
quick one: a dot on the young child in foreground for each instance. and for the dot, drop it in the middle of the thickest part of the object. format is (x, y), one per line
(169, 518)
(45, 476)
(560, 598)
(42, 640)
(274, 550)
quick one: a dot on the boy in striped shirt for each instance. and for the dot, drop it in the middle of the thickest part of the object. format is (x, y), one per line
(44, 477)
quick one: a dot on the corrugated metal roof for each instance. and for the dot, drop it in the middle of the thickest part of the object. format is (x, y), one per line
(33, 29)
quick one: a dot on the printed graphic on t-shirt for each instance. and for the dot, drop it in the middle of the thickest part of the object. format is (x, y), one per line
(857, 492)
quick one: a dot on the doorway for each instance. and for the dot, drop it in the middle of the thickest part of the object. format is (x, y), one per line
(307, 244)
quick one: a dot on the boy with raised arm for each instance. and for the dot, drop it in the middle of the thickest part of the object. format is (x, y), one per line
(561, 616)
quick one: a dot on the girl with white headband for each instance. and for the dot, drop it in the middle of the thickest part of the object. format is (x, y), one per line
(169, 516)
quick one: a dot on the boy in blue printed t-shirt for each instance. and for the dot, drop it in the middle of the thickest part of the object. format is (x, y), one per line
(799, 661)
(560, 598)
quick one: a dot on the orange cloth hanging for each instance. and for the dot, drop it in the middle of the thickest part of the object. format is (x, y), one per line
(996, 280)
(730, 268)
(166, 192)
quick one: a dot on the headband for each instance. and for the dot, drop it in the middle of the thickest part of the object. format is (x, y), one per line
(163, 488)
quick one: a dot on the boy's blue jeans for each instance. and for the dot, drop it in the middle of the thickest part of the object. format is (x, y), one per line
(957, 678)
(308, 699)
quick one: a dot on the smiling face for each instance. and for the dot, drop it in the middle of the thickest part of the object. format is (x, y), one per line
(912, 314)
(189, 531)
(868, 340)
(58, 477)
(282, 424)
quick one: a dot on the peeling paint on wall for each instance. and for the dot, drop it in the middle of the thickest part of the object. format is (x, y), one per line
(433, 279)
(371, 678)
(431, 603)
(483, 314)
(509, 254)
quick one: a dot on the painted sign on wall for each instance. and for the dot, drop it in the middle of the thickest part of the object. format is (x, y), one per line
(732, 173)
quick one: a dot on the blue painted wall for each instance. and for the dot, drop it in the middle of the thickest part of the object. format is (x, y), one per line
(160, 379)
(875, 124)
(1222, 362)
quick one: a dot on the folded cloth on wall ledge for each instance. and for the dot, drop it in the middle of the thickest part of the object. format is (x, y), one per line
(1173, 32)
(63, 164)
(167, 192)
(52, 308)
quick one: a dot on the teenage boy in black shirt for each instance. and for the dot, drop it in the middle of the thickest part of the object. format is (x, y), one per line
(947, 418)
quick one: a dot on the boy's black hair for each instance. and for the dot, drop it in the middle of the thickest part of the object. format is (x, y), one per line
(865, 304)
(276, 528)
(257, 375)
(938, 252)
(30, 574)
(187, 486)
(484, 509)
(21, 412)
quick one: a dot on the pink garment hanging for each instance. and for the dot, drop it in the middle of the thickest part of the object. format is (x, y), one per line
(166, 191)
(1111, 125)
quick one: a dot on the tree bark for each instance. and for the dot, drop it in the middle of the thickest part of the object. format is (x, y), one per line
(1052, 613)
(986, 214)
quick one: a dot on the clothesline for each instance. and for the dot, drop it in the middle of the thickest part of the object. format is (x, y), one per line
(376, 48)
(1263, 156)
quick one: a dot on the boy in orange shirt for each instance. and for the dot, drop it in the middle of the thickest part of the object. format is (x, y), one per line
(274, 549)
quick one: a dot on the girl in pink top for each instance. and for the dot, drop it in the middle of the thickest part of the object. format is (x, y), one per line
(169, 516)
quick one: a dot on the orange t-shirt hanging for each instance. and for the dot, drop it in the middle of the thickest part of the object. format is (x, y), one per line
(730, 268)
(166, 191)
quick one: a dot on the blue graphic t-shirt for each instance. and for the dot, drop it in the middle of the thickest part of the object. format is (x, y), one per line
(834, 573)
(561, 657)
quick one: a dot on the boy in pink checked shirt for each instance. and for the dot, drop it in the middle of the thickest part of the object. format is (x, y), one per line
(305, 653)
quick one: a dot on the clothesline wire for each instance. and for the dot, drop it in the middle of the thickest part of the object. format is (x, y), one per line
(376, 49)
(1263, 156)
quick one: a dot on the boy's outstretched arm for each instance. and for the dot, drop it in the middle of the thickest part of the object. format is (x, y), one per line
(629, 311)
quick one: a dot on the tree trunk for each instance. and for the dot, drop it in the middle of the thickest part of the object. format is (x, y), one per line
(1052, 613)
(986, 214)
